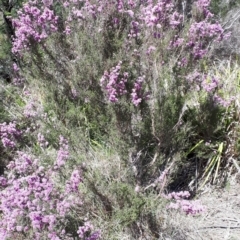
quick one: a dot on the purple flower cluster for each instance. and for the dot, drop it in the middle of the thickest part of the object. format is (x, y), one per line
(203, 6)
(158, 14)
(200, 34)
(35, 22)
(33, 203)
(137, 91)
(63, 153)
(176, 42)
(211, 84)
(30, 109)
(86, 229)
(96, 235)
(134, 31)
(114, 83)
(187, 206)
(178, 195)
(150, 50)
(42, 141)
(16, 68)
(222, 101)
(161, 16)
(73, 183)
(9, 134)
(17, 78)
(73, 13)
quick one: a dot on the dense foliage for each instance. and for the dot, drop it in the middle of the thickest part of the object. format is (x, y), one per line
(109, 111)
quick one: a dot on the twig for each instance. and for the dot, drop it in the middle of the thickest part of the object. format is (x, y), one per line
(235, 164)
(237, 16)
(230, 219)
(223, 227)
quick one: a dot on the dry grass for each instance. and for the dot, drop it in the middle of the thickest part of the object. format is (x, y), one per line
(221, 220)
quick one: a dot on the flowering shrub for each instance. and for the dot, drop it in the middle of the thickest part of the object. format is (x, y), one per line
(33, 202)
(137, 92)
(30, 109)
(63, 153)
(200, 34)
(114, 83)
(42, 141)
(37, 20)
(160, 15)
(9, 134)
(146, 55)
(17, 78)
(33, 24)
